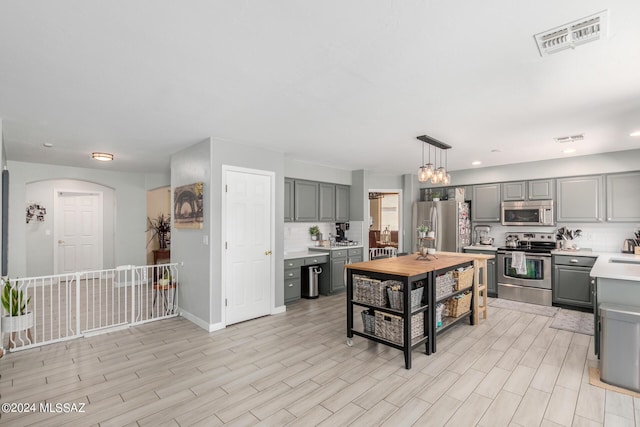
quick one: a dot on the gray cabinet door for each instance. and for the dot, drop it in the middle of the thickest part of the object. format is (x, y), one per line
(492, 285)
(486, 203)
(623, 203)
(288, 200)
(514, 191)
(342, 203)
(542, 189)
(327, 212)
(291, 290)
(306, 201)
(337, 274)
(572, 286)
(580, 199)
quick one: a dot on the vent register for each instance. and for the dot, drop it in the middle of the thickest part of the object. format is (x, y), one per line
(573, 34)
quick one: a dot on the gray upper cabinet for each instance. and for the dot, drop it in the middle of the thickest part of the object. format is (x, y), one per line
(623, 203)
(486, 203)
(542, 189)
(327, 211)
(306, 200)
(580, 199)
(514, 190)
(288, 200)
(342, 203)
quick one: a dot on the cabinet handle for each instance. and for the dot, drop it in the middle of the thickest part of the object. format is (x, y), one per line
(574, 261)
(291, 285)
(290, 274)
(315, 261)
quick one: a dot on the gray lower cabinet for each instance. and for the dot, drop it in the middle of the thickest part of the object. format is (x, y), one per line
(486, 203)
(289, 210)
(338, 258)
(571, 281)
(292, 279)
(343, 200)
(327, 210)
(306, 200)
(492, 281)
(580, 199)
(623, 204)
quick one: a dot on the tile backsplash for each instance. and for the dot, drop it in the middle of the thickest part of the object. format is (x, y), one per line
(297, 238)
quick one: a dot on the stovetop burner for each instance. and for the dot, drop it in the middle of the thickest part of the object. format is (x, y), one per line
(538, 243)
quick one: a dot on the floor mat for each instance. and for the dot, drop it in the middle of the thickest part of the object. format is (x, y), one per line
(573, 321)
(524, 307)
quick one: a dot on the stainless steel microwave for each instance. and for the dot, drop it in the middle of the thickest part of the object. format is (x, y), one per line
(528, 212)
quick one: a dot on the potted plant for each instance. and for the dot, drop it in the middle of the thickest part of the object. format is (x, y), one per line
(17, 318)
(314, 232)
(422, 231)
(160, 227)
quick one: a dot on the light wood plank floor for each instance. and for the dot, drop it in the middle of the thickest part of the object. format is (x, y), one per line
(295, 369)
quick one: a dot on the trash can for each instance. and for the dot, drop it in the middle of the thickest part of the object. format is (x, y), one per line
(620, 345)
(310, 282)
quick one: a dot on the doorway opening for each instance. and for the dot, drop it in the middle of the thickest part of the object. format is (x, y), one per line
(158, 203)
(385, 222)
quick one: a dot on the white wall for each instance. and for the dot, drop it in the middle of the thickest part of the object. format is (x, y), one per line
(619, 161)
(40, 235)
(314, 172)
(194, 293)
(130, 208)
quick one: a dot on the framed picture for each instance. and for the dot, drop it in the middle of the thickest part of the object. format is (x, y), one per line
(187, 206)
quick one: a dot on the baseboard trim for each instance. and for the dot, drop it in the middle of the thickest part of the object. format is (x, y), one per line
(279, 310)
(197, 321)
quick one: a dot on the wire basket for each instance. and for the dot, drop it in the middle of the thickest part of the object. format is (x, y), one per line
(369, 322)
(458, 305)
(396, 300)
(445, 284)
(369, 291)
(389, 326)
(464, 278)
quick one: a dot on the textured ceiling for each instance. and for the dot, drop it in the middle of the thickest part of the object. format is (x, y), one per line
(343, 83)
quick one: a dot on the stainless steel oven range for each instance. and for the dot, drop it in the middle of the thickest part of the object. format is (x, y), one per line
(532, 283)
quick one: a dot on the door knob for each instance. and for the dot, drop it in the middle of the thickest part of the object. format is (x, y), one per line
(60, 242)
(267, 252)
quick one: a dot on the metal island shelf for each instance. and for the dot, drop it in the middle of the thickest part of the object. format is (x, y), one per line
(412, 272)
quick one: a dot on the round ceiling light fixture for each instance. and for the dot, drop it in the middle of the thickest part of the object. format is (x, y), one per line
(476, 163)
(103, 157)
(569, 150)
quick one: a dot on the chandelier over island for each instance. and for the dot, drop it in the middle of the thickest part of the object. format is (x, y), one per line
(426, 172)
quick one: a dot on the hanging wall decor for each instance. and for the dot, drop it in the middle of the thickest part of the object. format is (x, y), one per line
(35, 211)
(187, 206)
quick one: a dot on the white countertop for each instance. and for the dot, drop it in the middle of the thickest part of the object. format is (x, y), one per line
(606, 269)
(481, 248)
(313, 251)
(578, 252)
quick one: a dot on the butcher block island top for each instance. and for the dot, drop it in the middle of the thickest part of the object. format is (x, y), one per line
(411, 265)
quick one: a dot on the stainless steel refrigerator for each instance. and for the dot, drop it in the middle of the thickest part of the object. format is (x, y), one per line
(450, 220)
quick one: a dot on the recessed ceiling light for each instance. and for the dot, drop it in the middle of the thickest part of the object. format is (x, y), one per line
(636, 133)
(476, 163)
(47, 144)
(569, 150)
(103, 157)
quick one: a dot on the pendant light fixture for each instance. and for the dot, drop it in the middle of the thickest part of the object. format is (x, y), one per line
(429, 172)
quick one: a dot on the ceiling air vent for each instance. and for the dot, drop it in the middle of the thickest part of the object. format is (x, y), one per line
(571, 138)
(573, 34)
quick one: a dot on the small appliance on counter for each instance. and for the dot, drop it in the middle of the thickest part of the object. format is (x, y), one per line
(481, 233)
(341, 228)
(629, 246)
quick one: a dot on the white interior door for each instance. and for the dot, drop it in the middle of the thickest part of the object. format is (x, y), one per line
(77, 232)
(248, 227)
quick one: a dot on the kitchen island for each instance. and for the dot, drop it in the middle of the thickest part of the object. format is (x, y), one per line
(413, 272)
(615, 280)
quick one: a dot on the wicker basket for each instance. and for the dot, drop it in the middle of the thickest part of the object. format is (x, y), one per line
(369, 291)
(445, 284)
(464, 278)
(396, 300)
(389, 327)
(369, 322)
(458, 305)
